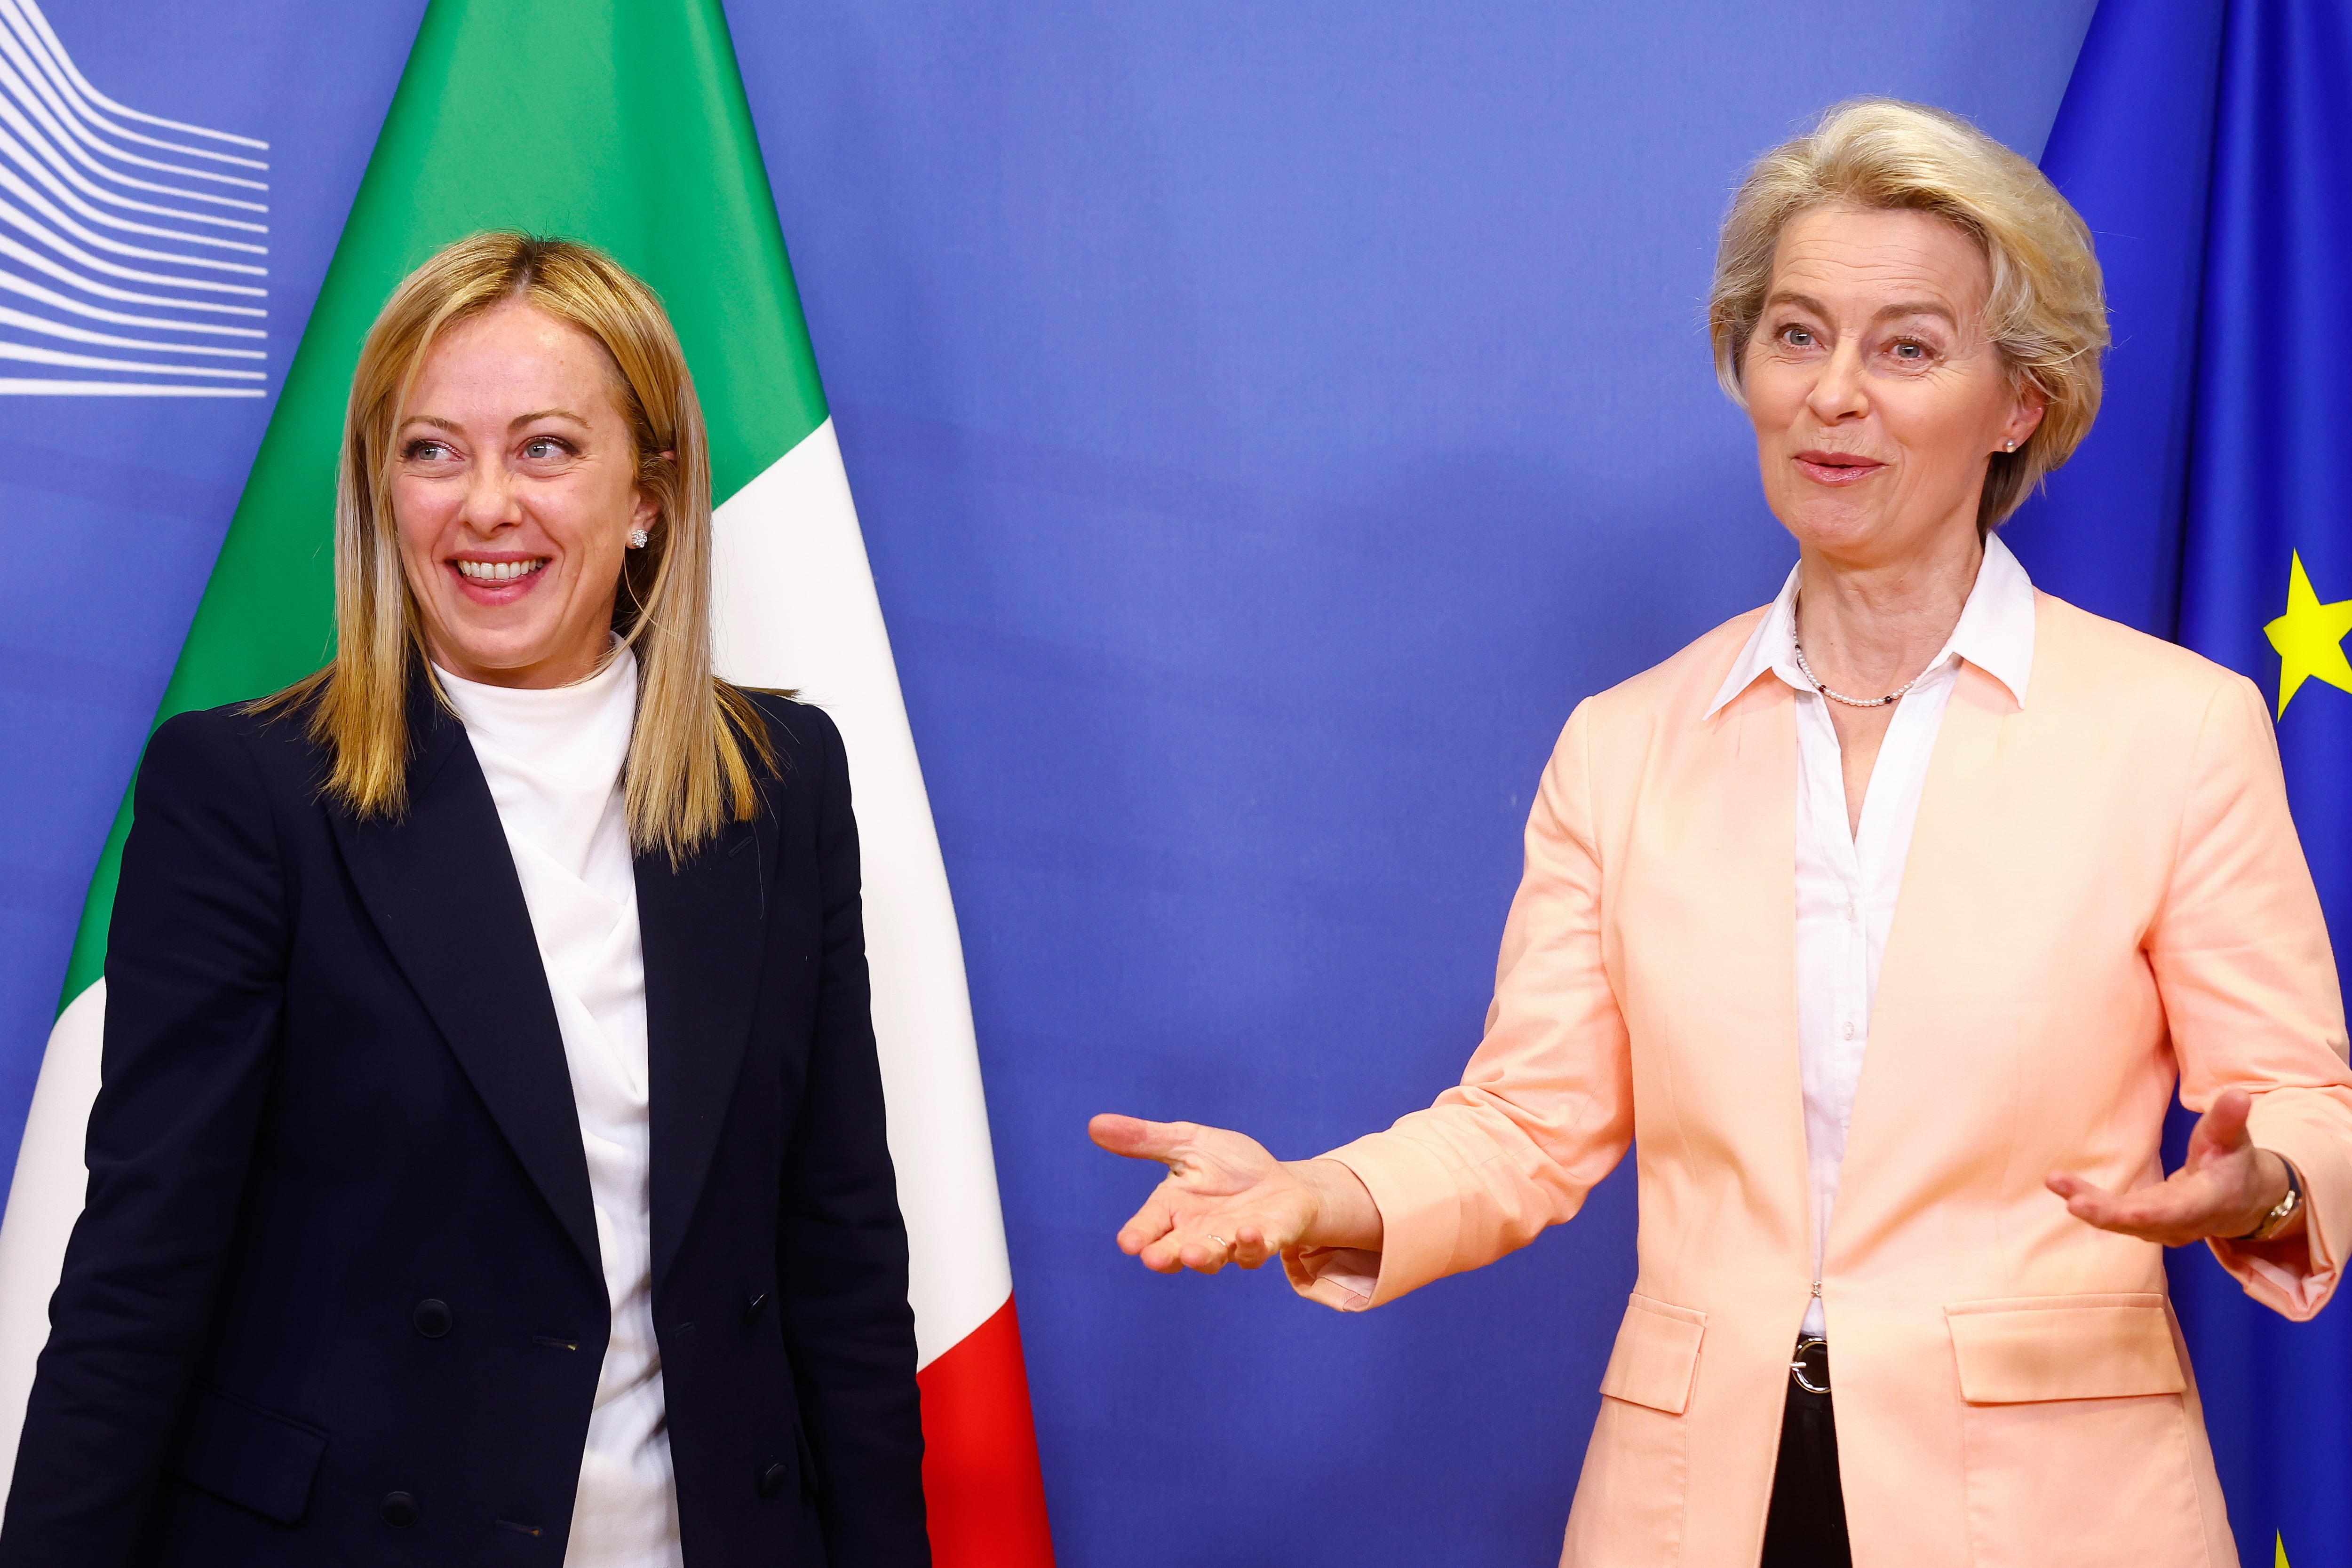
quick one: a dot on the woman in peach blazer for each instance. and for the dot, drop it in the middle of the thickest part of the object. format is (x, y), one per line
(1890, 992)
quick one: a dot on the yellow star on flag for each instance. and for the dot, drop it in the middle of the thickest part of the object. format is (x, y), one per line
(2280, 1562)
(2309, 637)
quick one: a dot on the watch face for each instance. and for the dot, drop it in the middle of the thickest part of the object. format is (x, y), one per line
(2284, 1211)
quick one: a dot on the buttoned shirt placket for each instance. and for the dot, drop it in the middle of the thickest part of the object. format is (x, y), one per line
(1848, 881)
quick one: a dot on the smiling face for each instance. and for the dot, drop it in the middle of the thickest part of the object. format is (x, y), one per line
(1876, 397)
(514, 490)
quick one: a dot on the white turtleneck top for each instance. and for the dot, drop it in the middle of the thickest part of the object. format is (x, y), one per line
(553, 760)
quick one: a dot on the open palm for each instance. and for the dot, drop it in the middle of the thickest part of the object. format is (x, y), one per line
(2224, 1188)
(1225, 1199)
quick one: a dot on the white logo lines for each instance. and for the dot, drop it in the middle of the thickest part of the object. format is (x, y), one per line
(132, 265)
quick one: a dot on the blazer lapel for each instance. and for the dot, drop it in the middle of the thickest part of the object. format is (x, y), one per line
(441, 888)
(1733, 823)
(703, 927)
(1923, 1112)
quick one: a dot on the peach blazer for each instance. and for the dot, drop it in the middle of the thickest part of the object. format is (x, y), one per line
(2105, 891)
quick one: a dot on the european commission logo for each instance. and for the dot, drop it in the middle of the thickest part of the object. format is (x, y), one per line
(132, 261)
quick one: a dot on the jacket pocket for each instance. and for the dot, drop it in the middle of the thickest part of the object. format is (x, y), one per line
(1657, 1355)
(248, 1455)
(2076, 1439)
(2036, 1348)
(1636, 1481)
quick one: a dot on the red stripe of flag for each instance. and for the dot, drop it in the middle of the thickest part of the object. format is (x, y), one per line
(981, 1481)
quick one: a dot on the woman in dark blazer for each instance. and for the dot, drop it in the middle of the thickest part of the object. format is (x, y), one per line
(474, 1182)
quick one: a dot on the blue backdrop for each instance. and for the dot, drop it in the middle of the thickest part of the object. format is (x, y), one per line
(1268, 422)
(2210, 144)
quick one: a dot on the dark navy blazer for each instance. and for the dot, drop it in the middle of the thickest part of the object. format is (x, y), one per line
(336, 1297)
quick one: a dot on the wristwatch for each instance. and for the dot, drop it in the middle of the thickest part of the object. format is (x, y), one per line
(2281, 1212)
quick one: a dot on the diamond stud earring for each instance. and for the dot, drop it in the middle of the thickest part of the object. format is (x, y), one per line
(637, 539)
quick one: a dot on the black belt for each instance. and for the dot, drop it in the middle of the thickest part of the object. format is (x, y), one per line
(1810, 1366)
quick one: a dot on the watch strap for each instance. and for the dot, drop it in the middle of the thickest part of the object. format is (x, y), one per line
(2281, 1211)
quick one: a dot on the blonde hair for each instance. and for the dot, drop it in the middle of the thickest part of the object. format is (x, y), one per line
(2046, 311)
(687, 773)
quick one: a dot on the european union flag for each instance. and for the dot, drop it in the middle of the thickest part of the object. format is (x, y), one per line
(2209, 143)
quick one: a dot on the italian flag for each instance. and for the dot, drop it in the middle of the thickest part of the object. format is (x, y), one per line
(622, 123)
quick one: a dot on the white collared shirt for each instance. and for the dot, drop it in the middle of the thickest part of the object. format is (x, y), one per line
(1847, 881)
(553, 760)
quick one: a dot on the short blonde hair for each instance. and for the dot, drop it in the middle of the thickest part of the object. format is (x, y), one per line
(2047, 310)
(687, 773)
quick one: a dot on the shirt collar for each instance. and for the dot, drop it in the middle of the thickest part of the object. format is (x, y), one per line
(1995, 631)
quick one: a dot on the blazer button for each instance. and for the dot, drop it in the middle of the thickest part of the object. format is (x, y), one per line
(433, 1319)
(772, 1480)
(399, 1510)
(753, 1306)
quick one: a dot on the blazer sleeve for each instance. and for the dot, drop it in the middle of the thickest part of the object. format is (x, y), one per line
(842, 1244)
(2242, 964)
(195, 959)
(1544, 1108)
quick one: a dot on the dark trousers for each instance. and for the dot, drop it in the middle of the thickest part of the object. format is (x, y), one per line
(1806, 1526)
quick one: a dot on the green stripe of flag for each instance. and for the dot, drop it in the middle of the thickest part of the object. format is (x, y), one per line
(622, 122)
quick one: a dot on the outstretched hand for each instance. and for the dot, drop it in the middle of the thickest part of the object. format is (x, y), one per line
(2224, 1189)
(1226, 1200)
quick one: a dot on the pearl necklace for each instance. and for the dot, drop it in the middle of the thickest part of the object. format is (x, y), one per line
(1894, 697)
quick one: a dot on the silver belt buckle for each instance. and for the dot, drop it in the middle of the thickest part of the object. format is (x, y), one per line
(1812, 1360)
